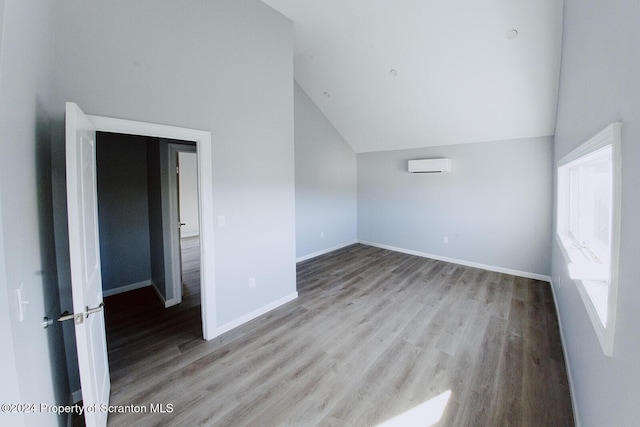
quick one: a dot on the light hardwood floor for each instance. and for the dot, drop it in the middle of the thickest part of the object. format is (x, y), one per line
(373, 334)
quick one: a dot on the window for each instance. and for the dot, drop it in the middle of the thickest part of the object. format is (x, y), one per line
(588, 227)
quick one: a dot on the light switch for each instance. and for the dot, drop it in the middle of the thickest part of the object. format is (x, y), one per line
(22, 302)
(221, 221)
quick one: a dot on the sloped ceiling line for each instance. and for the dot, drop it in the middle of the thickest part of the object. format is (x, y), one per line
(460, 74)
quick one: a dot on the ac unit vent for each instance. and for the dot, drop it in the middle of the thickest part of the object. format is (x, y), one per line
(430, 165)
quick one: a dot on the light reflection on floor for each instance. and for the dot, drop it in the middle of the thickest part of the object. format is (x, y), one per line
(424, 415)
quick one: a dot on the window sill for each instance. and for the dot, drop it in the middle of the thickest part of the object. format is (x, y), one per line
(594, 294)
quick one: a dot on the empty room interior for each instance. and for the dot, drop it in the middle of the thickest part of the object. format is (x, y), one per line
(395, 213)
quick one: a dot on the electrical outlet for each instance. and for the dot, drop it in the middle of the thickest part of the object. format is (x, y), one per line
(252, 282)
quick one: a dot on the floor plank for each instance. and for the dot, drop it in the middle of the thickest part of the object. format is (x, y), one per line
(372, 335)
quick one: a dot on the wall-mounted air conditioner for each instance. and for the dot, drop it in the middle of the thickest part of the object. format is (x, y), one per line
(430, 165)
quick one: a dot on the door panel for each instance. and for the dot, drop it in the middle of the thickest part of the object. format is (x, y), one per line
(84, 252)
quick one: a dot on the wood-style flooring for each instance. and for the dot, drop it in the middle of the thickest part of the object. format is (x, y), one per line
(374, 336)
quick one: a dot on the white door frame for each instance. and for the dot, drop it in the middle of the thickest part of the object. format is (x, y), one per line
(205, 195)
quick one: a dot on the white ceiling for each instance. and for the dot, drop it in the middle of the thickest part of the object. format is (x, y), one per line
(459, 78)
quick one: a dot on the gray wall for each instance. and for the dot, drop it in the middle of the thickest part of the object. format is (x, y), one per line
(123, 210)
(156, 230)
(10, 391)
(600, 84)
(325, 181)
(189, 194)
(36, 355)
(494, 206)
(225, 66)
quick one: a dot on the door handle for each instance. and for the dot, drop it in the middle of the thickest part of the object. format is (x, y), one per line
(78, 318)
(89, 311)
(65, 316)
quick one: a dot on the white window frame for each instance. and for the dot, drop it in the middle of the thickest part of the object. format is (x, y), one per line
(599, 296)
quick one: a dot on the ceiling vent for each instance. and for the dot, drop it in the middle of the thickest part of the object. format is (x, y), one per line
(430, 165)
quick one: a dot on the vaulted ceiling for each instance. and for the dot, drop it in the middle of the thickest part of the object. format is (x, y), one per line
(416, 73)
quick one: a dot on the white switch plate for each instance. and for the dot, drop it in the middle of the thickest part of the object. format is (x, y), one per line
(222, 222)
(22, 302)
(252, 282)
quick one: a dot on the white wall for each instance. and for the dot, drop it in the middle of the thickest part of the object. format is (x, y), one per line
(189, 194)
(494, 206)
(225, 66)
(325, 181)
(600, 84)
(10, 390)
(35, 355)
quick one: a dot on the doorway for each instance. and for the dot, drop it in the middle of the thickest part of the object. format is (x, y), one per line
(136, 198)
(189, 219)
(183, 210)
(202, 140)
(83, 240)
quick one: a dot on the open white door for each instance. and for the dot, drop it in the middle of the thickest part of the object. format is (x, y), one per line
(173, 254)
(84, 251)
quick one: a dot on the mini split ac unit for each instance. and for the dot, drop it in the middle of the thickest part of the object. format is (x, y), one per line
(430, 165)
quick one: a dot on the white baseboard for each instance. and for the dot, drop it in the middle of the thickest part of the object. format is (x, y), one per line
(576, 416)
(166, 302)
(325, 251)
(126, 288)
(159, 294)
(256, 313)
(185, 235)
(461, 262)
(139, 285)
(171, 302)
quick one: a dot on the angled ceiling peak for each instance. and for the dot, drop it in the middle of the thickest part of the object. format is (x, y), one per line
(413, 73)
